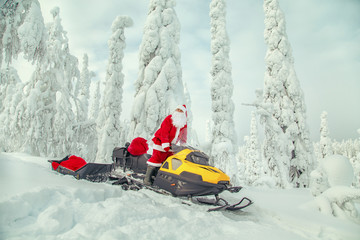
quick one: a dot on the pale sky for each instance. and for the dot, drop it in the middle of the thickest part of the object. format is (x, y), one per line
(324, 36)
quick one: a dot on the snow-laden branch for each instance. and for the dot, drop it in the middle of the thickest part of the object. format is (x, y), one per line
(339, 201)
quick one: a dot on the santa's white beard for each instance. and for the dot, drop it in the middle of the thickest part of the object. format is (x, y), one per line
(178, 119)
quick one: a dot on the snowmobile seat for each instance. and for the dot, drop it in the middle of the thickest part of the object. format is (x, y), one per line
(124, 159)
(80, 169)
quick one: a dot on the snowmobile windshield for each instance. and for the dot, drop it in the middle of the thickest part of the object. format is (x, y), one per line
(198, 158)
(177, 148)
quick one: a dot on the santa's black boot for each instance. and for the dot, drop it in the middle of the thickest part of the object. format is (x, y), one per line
(150, 171)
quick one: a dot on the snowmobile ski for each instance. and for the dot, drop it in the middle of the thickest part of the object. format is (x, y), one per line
(224, 205)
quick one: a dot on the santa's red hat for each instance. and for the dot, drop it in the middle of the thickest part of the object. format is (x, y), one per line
(182, 108)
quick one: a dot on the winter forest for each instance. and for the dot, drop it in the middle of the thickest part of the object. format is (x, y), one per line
(54, 114)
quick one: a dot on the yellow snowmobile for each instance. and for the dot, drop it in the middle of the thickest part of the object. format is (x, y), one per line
(186, 173)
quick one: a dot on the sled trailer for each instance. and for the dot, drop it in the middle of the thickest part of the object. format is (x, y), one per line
(80, 169)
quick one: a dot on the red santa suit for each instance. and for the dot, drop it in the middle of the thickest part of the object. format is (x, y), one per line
(168, 134)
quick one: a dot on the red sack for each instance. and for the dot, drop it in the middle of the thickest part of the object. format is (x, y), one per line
(73, 163)
(138, 146)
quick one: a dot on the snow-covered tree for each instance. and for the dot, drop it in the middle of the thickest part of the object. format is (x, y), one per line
(86, 140)
(124, 132)
(325, 140)
(284, 101)
(63, 137)
(241, 166)
(21, 29)
(350, 149)
(323, 149)
(108, 122)
(206, 146)
(35, 113)
(71, 69)
(45, 114)
(10, 21)
(355, 161)
(84, 93)
(191, 133)
(10, 96)
(95, 102)
(159, 88)
(32, 34)
(318, 179)
(2, 31)
(253, 167)
(223, 132)
(85, 129)
(63, 68)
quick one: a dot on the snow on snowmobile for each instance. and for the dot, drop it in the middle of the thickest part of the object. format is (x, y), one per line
(187, 173)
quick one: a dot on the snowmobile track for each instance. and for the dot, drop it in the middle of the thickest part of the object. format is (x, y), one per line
(134, 182)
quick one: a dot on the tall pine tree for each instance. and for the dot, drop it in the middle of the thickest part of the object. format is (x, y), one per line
(223, 139)
(287, 147)
(84, 85)
(63, 69)
(325, 140)
(159, 88)
(108, 121)
(253, 165)
(95, 102)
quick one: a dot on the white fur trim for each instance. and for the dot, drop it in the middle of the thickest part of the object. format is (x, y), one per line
(158, 148)
(175, 140)
(154, 164)
(165, 145)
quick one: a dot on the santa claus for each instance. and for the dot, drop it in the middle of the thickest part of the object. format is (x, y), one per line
(173, 130)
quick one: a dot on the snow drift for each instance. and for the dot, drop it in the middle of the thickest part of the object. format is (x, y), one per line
(38, 203)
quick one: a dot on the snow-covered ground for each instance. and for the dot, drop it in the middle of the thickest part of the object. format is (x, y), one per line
(37, 203)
